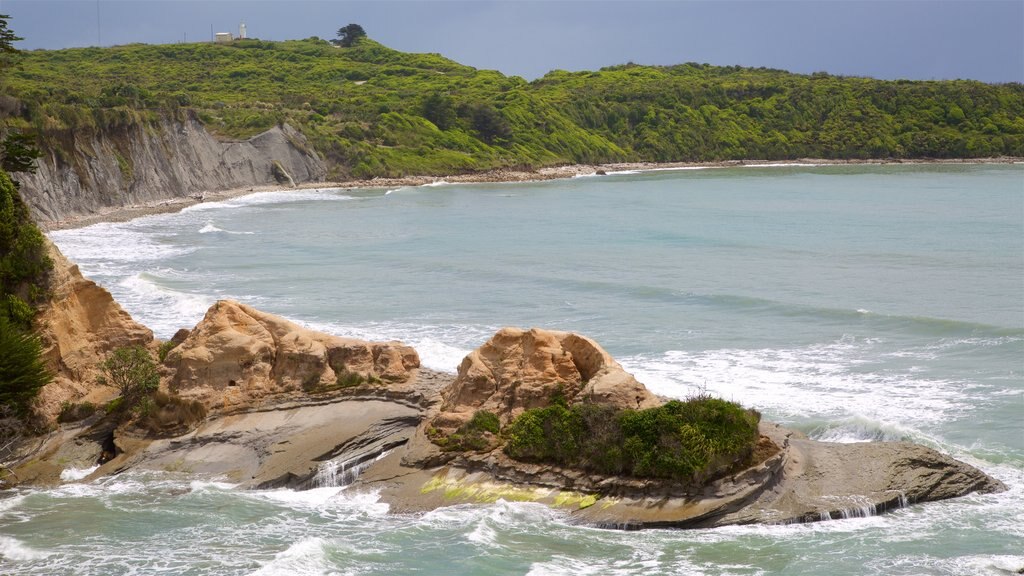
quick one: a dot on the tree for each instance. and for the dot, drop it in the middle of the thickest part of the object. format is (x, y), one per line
(19, 153)
(438, 108)
(349, 35)
(22, 370)
(132, 371)
(7, 36)
(18, 150)
(490, 124)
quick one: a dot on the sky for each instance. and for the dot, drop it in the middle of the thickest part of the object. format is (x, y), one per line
(890, 39)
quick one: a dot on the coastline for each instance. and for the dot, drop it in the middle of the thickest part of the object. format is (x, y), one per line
(501, 175)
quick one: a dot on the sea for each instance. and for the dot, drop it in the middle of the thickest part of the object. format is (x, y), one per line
(854, 303)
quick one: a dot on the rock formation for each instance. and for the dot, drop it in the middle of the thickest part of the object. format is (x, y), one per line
(79, 326)
(521, 369)
(135, 163)
(237, 357)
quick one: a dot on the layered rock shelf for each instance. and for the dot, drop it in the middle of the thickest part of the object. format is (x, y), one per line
(288, 406)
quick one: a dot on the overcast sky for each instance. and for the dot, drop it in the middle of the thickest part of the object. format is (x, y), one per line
(916, 39)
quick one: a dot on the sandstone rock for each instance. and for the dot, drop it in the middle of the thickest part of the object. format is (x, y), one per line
(237, 356)
(521, 369)
(79, 327)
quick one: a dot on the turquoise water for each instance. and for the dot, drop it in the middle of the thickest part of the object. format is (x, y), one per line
(855, 303)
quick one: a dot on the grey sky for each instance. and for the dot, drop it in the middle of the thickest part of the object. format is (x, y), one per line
(916, 39)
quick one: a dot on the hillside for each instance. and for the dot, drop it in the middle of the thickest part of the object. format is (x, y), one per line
(372, 111)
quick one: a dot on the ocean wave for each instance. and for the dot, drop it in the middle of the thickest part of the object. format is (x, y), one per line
(265, 198)
(307, 556)
(92, 244)
(74, 474)
(924, 325)
(210, 228)
(860, 428)
(823, 381)
(14, 549)
(162, 309)
(440, 347)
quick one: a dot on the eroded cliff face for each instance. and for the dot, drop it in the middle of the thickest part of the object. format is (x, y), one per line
(139, 163)
(79, 326)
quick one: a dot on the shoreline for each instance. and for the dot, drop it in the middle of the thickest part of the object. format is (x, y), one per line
(500, 175)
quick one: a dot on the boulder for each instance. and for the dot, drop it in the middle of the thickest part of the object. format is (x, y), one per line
(237, 356)
(79, 326)
(521, 369)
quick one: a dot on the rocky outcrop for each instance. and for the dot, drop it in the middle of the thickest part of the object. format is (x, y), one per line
(135, 162)
(237, 358)
(79, 326)
(521, 369)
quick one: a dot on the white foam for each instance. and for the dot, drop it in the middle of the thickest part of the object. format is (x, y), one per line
(113, 242)
(788, 165)
(303, 557)
(440, 347)
(667, 169)
(73, 474)
(12, 502)
(164, 310)
(14, 549)
(816, 382)
(210, 228)
(436, 183)
(265, 198)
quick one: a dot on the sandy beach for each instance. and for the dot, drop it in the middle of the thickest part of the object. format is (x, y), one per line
(125, 213)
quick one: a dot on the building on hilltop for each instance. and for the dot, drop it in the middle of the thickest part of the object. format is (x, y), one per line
(222, 37)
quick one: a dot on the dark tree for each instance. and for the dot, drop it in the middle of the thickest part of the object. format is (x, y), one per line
(348, 35)
(7, 37)
(438, 108)
(19, 153)
(490, 124)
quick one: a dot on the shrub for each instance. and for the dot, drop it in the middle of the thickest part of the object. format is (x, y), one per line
(478, 434)
(132, 371)
(164, 348)
(163, 414)
(75, 411)
(694, 440)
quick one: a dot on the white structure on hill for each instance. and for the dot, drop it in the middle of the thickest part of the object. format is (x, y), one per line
(222, 37)
(241, 31)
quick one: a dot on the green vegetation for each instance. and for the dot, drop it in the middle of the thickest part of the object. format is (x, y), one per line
(132, 371)
(24, 267)
(75, 411)
(22, 370)
(344, 379)
(166, 414)
(372, 111)
(24, 264)
(479, 434)
(692, 441)
(164, 349)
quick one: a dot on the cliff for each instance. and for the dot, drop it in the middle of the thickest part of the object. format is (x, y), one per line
(84, 172)
(79, 326)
